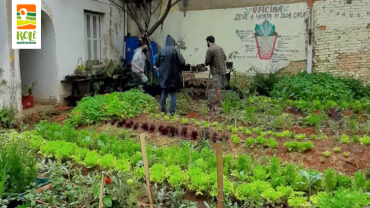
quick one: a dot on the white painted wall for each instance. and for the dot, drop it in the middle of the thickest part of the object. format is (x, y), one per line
(69, 24)
(67, 17)
(234, 30)
(40, 65)
(4, 55)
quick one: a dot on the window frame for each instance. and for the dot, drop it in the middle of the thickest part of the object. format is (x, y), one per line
(98, 38)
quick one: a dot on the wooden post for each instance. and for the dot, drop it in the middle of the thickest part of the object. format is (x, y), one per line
(209, 79)
(220, 176)
(101, 200)
(146, 167)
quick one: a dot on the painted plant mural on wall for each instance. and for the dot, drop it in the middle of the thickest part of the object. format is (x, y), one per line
(265, 36)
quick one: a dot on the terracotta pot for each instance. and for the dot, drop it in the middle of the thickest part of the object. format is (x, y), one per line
(347, 113)
(193, 114)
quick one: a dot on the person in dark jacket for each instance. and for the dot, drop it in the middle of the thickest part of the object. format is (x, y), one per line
(169, 63)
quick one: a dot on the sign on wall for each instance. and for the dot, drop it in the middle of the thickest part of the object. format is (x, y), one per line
(267, 38)
(26, 24)
(268, 44)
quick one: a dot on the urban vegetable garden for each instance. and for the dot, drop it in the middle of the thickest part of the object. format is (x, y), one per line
(287, 141)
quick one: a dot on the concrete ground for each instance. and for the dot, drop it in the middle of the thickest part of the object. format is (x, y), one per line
(38, 107)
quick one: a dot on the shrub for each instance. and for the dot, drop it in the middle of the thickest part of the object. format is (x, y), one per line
(128, 104)
(263, 84)
(19, 165)
(320, 86)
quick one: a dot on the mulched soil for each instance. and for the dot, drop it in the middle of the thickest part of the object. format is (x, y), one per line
(359, 155)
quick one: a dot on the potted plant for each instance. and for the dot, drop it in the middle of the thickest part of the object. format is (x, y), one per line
(229, 64)
(80, 71)
(89, 69)
(27, 98)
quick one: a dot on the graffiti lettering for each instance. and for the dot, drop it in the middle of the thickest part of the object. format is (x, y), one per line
(286, 16)
(299, 15)
(241, 17)
(269, 9)
(263, 16)
(269, 16)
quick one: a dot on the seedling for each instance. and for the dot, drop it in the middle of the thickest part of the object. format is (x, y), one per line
(365, 140)
(241, 128)
(345, 139)
(250, 142)
(326, 154)
(215, 124)
(235, 138)
(323, 137)
(262, 134)
(300, 136)
(157, 116)
(336, 149)
(185, 121)
(197, 123)
(166, 118)
(175, 118)
(219, 127)
(313, 136)
(256, 130)
(234, 130)
(206, 125)
(270, 133)
(346, 154)
(248, 132)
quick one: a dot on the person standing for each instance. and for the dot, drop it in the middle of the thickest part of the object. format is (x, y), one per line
(169, 63)
(216, 59)
(138, 64)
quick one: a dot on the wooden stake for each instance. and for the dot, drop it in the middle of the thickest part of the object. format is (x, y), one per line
(146, 167)
(101, 192)
(220, 176)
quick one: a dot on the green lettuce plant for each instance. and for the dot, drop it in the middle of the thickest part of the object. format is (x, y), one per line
(107, 161)
(92, 159)
(158, 173)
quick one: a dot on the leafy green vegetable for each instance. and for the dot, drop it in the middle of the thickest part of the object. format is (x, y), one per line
(92, 159)
(158, 173)
(108, 161)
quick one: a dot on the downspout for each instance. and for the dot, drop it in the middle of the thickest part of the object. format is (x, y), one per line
(124, 31)
(310, 42)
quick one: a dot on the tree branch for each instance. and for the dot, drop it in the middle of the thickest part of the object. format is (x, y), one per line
(177, 1)
(129, 11)
(161, 20)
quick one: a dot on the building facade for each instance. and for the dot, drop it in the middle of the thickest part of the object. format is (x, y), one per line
(71, 31)
(341, 34)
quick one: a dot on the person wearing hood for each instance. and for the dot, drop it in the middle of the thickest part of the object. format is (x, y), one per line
(169, 63)
(138, 64)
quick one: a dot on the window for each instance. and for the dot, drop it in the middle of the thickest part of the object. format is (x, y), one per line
(93, 37)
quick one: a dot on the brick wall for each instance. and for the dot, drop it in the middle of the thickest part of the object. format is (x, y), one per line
(342, 38)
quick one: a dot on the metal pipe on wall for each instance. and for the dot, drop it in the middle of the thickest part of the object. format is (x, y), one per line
(310, 42)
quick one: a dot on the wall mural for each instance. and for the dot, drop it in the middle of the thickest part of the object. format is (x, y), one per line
(263, 42)
(265, 39)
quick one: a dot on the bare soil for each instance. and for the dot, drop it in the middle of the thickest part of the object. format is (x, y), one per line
(359, 155)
